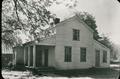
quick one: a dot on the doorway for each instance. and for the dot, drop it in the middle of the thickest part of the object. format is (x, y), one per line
(38, 56)
(46, 57)
(97, 58)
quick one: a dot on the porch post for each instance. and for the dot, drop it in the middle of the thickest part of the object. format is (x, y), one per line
(34, 56)
(24, 55)
(15, 57)
(28, 56)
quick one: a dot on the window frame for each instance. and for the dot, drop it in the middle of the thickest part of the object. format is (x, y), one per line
(67, 53)
(83, 55)
(76, 34)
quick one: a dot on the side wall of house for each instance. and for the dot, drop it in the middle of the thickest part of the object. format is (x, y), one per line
(98, 46)
(64, 37)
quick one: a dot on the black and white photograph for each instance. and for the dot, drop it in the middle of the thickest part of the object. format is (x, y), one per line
(60, 39)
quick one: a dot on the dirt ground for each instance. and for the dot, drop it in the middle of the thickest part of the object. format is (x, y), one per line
(7, 74)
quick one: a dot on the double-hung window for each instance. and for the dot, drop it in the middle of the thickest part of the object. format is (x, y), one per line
(76, 34)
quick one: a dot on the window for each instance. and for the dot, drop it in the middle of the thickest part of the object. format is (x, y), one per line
(76, 34)
(83, 54)
(68, 55)
(104, 56)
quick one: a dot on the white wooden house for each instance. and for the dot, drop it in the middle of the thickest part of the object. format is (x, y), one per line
(71, 47)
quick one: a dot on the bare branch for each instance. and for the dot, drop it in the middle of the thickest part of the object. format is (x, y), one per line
(15, 2)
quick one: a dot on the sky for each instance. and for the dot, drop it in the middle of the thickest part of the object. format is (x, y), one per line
(106, 13)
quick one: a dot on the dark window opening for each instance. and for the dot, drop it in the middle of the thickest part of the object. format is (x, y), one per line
(68, 54)
(83, 54)
(76, 34)
(105, 56)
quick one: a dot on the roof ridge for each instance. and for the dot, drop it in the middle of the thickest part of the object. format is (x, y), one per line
(80, 20)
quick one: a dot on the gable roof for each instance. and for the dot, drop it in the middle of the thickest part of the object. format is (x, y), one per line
(81, 21)
(77, 17)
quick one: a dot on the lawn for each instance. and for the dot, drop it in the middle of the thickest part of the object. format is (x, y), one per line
(92, 73)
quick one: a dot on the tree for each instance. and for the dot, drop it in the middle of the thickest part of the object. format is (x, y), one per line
(90, 21)
(26, 16)
(34, 15)
(106, 41)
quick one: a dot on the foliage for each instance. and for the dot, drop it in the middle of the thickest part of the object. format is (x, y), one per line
(90, 21)
(106, 41)
(25, 16)
(28, 17)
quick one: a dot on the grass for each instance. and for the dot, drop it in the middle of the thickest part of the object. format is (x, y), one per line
(91, 72)
(97, 72)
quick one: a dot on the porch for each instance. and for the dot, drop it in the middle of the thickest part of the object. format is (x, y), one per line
(37, 56)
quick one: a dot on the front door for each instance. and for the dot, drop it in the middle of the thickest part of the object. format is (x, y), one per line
(46, 57)
(38, 56)
(97, 58)
(26, 56)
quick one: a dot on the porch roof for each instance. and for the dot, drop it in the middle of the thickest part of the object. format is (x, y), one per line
(37, 43)
(46, 44)
(101, 44)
